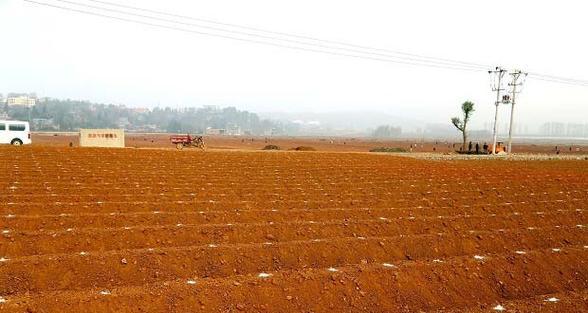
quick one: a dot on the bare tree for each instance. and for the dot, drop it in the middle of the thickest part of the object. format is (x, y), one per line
(467, 108)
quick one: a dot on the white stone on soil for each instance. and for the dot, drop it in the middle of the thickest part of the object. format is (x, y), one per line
(552, 299)
(264, 275)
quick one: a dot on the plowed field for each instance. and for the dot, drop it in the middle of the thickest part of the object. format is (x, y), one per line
(147, 230)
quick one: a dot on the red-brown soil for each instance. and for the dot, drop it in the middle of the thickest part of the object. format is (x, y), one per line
(159, 230)
(321, 144)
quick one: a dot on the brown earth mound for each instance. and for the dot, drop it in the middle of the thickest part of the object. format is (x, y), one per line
(303, 148)
(271, 147)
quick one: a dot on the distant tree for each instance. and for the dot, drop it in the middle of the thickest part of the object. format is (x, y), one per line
(174, 126)
(467, 108)
(386, 131)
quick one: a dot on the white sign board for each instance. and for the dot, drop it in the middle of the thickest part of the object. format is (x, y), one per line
(105, 138)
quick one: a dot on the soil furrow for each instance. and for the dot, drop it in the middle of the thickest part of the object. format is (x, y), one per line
(19, 243)
(148, 265)
(409, 286)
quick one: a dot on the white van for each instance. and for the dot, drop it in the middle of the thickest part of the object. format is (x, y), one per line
(15, 133)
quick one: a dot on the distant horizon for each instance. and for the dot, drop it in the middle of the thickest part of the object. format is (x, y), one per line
(504, 110)
(533, 130)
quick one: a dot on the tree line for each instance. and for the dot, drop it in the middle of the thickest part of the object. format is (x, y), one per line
(71, 115)
(387, 131)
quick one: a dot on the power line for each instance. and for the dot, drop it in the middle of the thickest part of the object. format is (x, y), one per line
(558, 81)
(560, 78)
(356, 51)
(421, 57)
(271, 38)
(250, 40)
(484, 66)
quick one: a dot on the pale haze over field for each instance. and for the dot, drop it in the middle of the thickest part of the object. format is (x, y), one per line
(64, 54)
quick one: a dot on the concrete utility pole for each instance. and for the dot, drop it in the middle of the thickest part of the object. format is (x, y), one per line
(499, 74)
(514, 83)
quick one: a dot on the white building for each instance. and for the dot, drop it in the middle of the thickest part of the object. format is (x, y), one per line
(21, 101)
(215, 131)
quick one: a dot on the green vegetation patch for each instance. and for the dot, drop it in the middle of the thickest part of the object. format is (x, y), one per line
(387, 149)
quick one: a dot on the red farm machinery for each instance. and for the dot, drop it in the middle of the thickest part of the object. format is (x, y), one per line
(182, 141)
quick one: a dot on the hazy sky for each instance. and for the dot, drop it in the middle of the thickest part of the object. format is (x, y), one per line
(69, 55)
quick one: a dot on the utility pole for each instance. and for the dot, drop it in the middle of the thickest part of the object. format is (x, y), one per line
(516, 75)
(499, 74)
